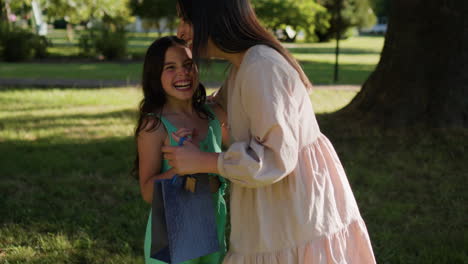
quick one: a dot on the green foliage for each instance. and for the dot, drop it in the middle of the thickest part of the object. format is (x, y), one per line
(3, 12)
(353, 13)
(304, 15)
(113, 12)
(75, 12)
(20, 44)
(17, 46)
(20, 7)
(86, 43)
(4, 28)
(381, 7)
(40, 44)
(155, 10)
(110, 44)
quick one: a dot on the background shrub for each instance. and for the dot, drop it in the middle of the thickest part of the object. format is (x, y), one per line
(86, 43)
(110, 44)
(18, 44)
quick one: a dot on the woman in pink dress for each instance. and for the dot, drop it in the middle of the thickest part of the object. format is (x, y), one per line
(290, 199)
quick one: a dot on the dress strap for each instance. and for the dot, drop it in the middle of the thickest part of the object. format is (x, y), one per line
(215, 124)
(170, 128)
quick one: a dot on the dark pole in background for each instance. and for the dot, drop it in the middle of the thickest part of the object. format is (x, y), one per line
(4, 11)
(338, 5)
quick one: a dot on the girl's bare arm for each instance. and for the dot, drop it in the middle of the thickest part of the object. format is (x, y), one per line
(150, 160)
(222, 117)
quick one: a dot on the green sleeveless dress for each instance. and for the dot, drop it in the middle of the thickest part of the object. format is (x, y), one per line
(211, 143)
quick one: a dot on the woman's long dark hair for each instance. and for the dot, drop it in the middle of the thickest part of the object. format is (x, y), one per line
(154, 97)
(232, 26)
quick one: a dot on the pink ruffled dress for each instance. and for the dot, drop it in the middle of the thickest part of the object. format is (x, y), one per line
(290, 198)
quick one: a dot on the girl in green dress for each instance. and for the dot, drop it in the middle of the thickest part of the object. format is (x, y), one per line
(174, 105)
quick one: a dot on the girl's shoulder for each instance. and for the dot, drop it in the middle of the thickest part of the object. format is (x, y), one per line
(153, 124)
(152, 134)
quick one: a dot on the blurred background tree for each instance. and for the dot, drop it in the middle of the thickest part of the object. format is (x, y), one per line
(381, 7)
(158, 13)
(353, 14)
(111, 14)
(286, 18)
(104, 21)
(101, 24)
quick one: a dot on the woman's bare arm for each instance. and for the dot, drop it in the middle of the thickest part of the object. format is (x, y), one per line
(222, 117)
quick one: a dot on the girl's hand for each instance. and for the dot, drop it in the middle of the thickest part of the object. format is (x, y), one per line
(189, 159)
(184, 132)
(184, 159)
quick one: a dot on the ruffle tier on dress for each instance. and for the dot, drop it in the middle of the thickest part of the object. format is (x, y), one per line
(332, 230)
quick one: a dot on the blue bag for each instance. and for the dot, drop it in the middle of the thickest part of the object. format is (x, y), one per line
(183, 223)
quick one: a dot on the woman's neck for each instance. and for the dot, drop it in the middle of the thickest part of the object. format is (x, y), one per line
(234, 58)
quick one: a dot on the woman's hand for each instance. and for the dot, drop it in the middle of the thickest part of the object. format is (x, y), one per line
(189, 159)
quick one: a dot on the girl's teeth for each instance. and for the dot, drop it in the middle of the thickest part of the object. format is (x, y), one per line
(185, 85)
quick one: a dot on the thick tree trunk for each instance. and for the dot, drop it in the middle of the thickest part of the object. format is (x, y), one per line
(422, 76)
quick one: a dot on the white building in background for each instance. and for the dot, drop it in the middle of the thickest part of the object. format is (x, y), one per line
(379, 28)
(143, 25)
(41, 24)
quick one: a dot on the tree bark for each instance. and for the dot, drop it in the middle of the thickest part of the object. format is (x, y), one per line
(4, 14)
(422, 76)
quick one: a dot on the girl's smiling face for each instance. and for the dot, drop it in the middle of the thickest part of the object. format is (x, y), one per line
(179, 75)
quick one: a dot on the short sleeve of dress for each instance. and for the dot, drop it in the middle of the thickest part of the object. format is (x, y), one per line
(272, 152)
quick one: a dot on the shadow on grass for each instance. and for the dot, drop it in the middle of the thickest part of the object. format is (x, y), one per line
(322, 73)
(47, 121)
(331, 50)
(318, 72)
(72, 189)
(410, 187)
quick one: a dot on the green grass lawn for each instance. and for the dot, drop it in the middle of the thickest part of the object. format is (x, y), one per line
(59, 38)
(358, 59)
(66, 195)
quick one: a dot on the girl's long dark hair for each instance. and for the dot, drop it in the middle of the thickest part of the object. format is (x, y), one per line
(154, 97)
(232, 26)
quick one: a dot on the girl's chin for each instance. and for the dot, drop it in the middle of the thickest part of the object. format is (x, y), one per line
(185, 94)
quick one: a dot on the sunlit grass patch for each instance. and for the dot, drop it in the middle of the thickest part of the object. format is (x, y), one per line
(66, 195)
(327, 101)
(358, 58)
